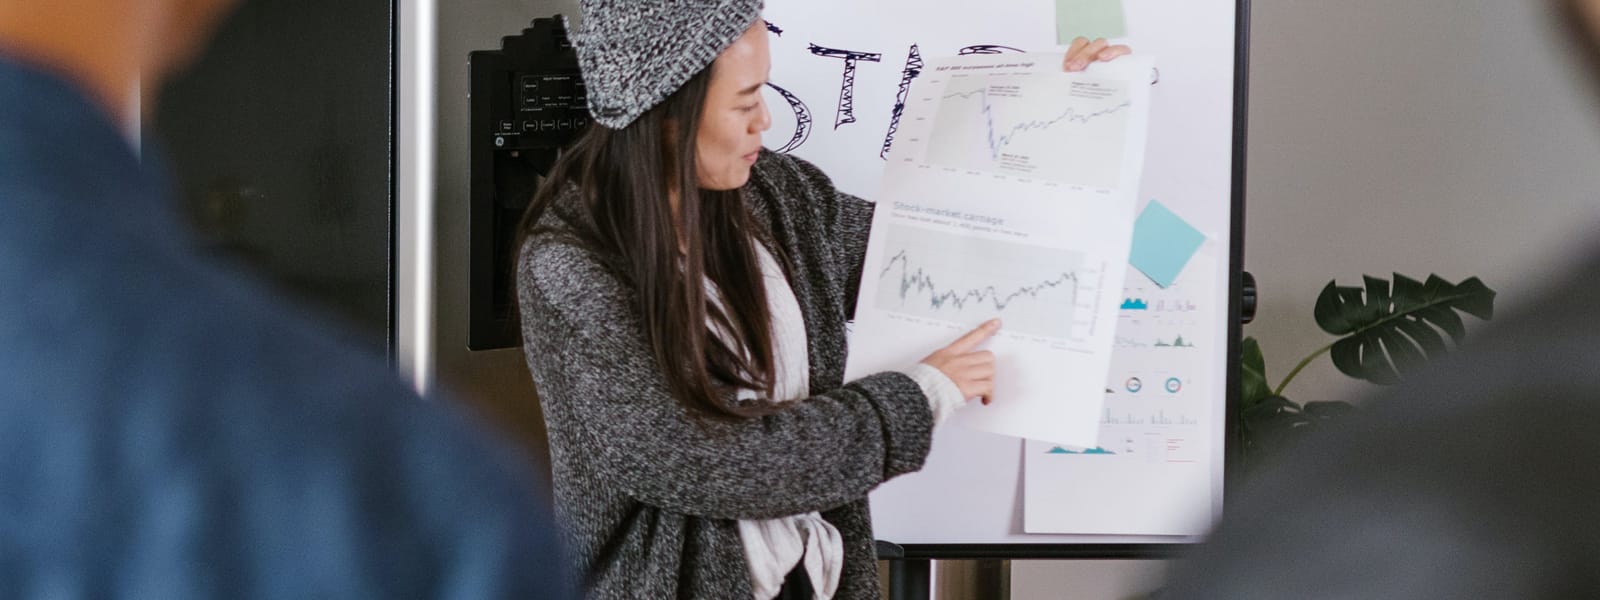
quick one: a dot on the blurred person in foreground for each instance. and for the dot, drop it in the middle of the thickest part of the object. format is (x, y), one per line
(172, 429)
(1477, 479)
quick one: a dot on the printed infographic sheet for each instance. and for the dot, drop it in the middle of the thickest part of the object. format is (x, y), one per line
(1155, 443)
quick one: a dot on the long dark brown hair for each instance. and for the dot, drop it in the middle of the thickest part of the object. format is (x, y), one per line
(624, 177)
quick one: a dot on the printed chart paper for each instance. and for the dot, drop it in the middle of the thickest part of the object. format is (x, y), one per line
(1009, 192)
(1154, 443)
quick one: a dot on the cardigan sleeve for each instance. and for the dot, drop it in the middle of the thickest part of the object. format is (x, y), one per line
(595, 374)
(852, 224)
(847, 219)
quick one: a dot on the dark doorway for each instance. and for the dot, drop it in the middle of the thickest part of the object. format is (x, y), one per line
(280, 139)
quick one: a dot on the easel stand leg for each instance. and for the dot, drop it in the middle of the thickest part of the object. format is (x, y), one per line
(909, 579)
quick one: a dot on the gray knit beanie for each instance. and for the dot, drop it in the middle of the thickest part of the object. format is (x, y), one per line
(636, 53)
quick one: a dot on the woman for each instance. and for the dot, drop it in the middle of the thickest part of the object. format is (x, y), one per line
(684, 295)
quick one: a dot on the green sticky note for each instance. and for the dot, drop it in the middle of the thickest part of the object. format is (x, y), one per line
(1163, 243)
(1089, 18)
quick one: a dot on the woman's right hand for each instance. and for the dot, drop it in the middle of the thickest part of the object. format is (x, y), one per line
(971, 369)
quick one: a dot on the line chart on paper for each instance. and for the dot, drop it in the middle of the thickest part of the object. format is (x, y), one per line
(1035, 290)
(1031, 125)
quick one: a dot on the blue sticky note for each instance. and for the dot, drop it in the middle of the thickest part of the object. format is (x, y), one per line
(1163, 243)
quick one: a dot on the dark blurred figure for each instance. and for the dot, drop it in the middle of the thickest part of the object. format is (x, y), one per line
(1480, 479)
(169, 429)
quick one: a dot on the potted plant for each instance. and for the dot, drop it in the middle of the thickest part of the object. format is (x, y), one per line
(1384, 331)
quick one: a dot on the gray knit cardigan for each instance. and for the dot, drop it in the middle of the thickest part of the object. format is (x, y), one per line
(649, 496)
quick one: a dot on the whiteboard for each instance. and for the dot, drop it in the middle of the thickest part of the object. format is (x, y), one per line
(840, 68)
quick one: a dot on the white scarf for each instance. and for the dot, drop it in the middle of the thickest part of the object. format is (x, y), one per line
(772, 547)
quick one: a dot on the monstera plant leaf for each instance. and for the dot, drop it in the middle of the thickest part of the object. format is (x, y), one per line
(1253, 385)
(1389, 333)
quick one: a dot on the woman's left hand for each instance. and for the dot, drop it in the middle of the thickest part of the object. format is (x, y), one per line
(1083, 51)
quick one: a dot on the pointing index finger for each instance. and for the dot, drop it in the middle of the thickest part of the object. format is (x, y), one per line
(966, 343)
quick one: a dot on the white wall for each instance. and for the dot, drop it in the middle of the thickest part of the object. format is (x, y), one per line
(1447, 136)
